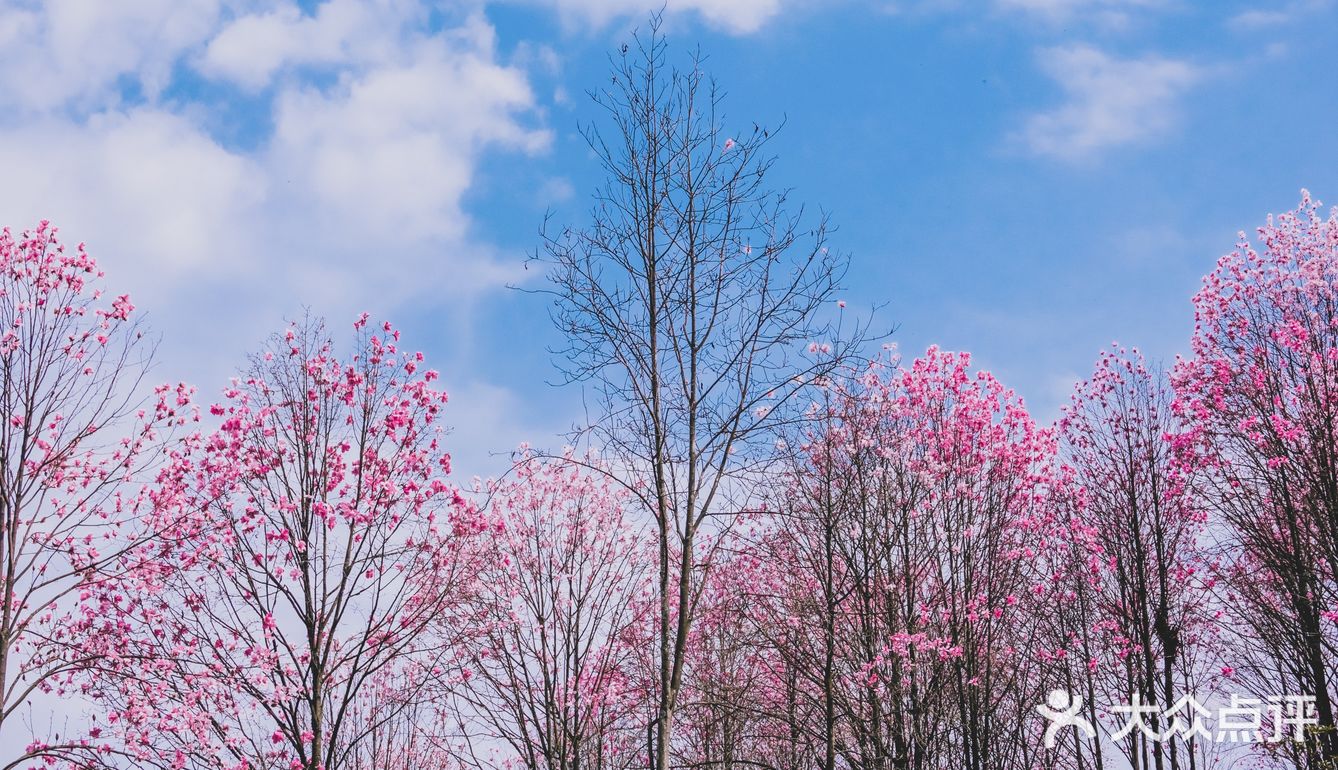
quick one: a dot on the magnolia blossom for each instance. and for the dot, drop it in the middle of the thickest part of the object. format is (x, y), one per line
(308, 549)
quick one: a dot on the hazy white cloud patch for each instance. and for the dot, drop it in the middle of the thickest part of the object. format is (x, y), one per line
(1259, 18)
(73, 52)
(1110, 102)
(145, 183)
(1104, 14)
(739, 17)
(554, 191)
(175, 220)
(489, 422)
(1276, 15)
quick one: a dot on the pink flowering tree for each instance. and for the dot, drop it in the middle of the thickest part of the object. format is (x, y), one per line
(1142, 600)
(740, 706)
(408, 730)
(78, 435)
(557, 674)
(911, 548)
(1260, 398)
(312, 552)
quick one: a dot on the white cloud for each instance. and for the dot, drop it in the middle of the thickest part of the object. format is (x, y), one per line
(146, 183)
(1053, 15)
(1099, 14)
(352, 199)
(172, 218)
(379, 151)
(64, 52)
(1256, 19)
(381, 159)
(739, 17)
(394, 149)
(555, 190)
(387, 156)
(343, 34)
(1111, 102)
(1063, 10)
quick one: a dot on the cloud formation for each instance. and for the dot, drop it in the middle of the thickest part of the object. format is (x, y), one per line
(1277, 15)
(1110, 102)
(1103, 13)
(738, 17)
(368, 123)
(372, 121)
(71, 54)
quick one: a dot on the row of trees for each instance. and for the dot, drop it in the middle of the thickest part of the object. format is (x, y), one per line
(771, 550)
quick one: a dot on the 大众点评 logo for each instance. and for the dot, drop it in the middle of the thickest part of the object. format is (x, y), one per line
(1242, 720)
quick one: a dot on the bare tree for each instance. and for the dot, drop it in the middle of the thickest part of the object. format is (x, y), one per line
(687, 303)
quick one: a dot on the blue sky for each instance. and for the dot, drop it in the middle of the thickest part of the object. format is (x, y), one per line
(1025, 179)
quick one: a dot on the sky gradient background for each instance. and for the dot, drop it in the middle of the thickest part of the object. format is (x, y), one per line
(1025, 179)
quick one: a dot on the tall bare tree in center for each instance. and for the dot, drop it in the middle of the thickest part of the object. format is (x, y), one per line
(693, 304)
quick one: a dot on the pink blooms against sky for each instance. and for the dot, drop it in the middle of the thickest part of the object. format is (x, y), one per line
(1026, 179)
(1023, 179)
